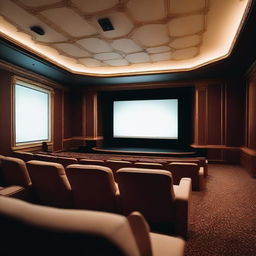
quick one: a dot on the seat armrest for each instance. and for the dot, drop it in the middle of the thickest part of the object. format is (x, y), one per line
(183, 190)
(11, 191)
(182, 204)
(164, 245)
(201, 178)
(206, 168)
(140, 230)
(17, 192)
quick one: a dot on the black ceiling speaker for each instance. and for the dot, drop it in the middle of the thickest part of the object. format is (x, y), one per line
(38, 30)
(105, 24)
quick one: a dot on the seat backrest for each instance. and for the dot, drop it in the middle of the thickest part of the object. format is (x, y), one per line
(28, 229)
(50, 184)
(1, 171)
(47, 158)
(114, 165)
(25, 156)
(180, 170)
(92, 162)
(148, 165)
(201, 161)
(148, 191)
(15, 172)
(65, 161)
(93, 187)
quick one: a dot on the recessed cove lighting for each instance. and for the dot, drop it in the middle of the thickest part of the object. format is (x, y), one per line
(38, 30)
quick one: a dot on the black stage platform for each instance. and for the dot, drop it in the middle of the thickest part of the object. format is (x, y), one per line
(149, 151)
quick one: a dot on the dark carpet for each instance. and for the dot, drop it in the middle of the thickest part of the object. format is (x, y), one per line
(223, 220)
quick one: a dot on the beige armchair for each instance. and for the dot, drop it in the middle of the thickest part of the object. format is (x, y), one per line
(25, 156)
(15, 178)
(65, 161)
(180, 170)
(92, 162)
(93, 187)
(50, 184)
(30, 230)
(152, 193)
(148, 165)
(114, 165)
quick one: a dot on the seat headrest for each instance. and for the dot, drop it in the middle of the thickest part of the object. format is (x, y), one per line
(64, 223)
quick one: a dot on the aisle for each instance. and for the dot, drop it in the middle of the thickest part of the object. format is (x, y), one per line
(224, 216)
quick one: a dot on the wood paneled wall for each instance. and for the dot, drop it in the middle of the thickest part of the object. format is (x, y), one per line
(218, 115)
(224, 116)
(5, 112)
(219, 119)
(248, 155)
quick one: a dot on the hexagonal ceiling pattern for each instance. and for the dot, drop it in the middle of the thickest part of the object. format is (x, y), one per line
(148, 35)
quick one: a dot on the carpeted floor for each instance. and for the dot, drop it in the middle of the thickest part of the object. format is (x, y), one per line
(223, 220)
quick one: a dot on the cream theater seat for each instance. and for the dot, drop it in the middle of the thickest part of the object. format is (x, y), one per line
(28, 229)
(152, 193)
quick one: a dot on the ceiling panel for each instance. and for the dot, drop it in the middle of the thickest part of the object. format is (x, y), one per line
(33, 3)
(186, 6)
(24, 20)
(147, 10)
(161, 56)
(69, 21)
(107, 56)
(138, 57)
(187, 25)
(146, 35)
(72, 50)
(126, 45)
(144, 31)
(185, 53)
(93, 6)
(95, 45)
(186, 41)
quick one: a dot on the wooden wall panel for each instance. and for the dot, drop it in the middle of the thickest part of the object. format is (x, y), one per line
(77, 115)
(248, 161)
(91, 114)
(219, 115)
(5, 112)
(252, 114)
(214, 154)
(58, 120)
(214, 114)
(67, 115)
(235, 113)
(248, 155)
(201, 117)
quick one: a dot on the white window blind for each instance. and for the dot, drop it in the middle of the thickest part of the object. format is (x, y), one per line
(32, 113)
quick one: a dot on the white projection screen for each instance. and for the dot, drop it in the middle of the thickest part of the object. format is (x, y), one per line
(32, 114)
(155, 119)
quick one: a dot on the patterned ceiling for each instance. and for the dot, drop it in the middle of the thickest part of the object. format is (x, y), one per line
(147, 33)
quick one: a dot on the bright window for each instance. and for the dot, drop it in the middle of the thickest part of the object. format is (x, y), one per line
(32, 108)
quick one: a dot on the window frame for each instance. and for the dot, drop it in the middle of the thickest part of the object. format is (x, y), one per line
(41, 88)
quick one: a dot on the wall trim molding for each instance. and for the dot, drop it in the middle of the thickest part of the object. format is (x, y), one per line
(215, 147)
(83, 138)
(248, 151)
(29, 75)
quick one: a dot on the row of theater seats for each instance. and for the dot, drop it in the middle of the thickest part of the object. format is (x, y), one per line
(196, 169)
(28, 229)
(79, 186)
